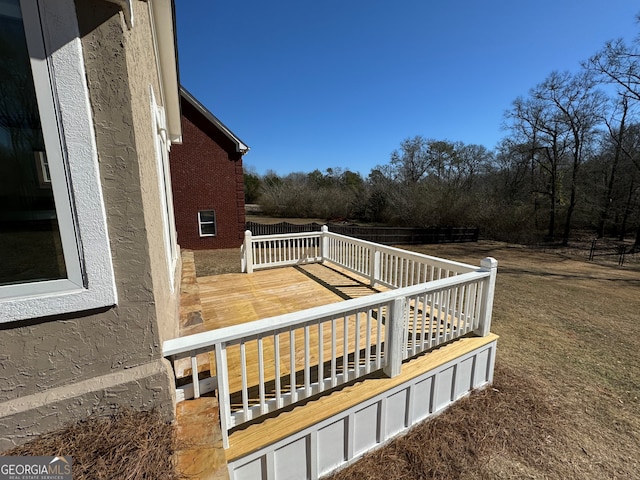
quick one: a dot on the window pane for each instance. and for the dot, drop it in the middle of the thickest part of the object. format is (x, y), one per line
(208, 229)
(207, 216)
(30, 246)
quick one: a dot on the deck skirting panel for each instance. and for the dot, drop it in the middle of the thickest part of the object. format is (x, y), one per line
(341, 439)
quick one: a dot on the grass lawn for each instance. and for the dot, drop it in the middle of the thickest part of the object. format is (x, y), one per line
(564, 403)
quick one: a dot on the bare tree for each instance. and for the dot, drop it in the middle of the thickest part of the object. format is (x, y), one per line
(579, 106)
(558, 121)
(411, 161)
(616, 125)
(539, 132)
(618, 63)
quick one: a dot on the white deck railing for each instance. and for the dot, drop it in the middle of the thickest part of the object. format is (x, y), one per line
(389, 266)
(268, 251)
(265, 365)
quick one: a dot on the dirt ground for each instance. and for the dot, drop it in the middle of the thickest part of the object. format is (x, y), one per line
(565, 401)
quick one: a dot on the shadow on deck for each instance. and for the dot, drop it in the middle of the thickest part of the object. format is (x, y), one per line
(208, 303)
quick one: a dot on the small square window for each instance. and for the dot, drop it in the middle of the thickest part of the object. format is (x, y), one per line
(207, 223)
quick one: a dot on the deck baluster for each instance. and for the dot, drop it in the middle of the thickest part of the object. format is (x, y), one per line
(243, 373)
(321, 356)
(307, 362)
(276, 361)
(334, 379)
(222, 373)
(261, 386)
(194, 375)
(345, 347)
(292, 364)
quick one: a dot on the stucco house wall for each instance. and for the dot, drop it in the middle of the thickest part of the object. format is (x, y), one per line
(58, 369)
(207, 174)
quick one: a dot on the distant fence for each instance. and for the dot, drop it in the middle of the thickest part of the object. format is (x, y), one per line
(619, 251)
(382, 235)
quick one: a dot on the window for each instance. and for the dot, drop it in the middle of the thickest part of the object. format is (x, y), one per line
(53, 241)
(30, 238)
(207, 223)
(162, 145)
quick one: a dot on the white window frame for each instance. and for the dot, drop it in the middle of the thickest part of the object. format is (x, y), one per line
(42, 168)
(200, 223)
(162, 146)
(54, 45)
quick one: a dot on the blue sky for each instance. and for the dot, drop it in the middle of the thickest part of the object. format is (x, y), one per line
(328, 83)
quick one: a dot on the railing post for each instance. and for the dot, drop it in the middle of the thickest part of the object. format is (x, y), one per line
(374, 267)
(224, 407)
(393, 338)
(488, 264)
(247, 259)
(324, 243)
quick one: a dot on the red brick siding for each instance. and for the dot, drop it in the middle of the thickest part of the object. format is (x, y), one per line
(206, 174)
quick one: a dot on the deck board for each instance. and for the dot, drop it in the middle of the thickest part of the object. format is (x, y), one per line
(232, 299)
(238, 298)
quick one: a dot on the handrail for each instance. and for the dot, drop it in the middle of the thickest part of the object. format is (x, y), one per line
(286, 249)
(279, 250)
(198, 341)
(440, 262)
(388, 266)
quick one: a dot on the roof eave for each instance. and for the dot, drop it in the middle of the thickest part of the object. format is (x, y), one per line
(164, 26)
(241, 147)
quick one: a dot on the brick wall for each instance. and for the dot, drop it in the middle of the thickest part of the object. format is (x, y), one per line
(206, 174)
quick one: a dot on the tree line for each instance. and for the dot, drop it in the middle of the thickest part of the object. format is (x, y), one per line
(570, 160)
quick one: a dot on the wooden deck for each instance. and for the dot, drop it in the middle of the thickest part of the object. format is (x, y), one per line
(209, 303)
(235, 298)
(230, 299)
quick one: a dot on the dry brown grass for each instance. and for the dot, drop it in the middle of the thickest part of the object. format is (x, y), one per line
(565, 399)
(466, 438)
(217, 262)
(126, 446)
(564, 404)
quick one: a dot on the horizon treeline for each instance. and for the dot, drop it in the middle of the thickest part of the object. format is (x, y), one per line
(570, 161)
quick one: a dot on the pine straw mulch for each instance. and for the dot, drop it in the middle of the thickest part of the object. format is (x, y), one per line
(511, 416)
(129, 445)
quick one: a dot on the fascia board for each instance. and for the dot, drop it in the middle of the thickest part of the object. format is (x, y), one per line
(162, 11)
